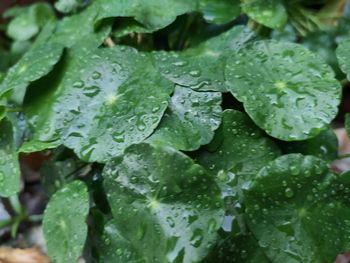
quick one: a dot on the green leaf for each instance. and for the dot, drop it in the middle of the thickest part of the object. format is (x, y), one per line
(343, 55)
(287, 90)
(156, 14)
(202, 67)
(66, 29)
(117, 86)
(298, 210)
(241, 248)
(64, 225)
(35, 64)
(28, 21)
(324, 146)
(113, 247)
(153, 14)
(68, 6)
(167, 206)
(10, 176)
(271, 13)
(219, 11)
(37, 146)
(190, 120)
(238, 146)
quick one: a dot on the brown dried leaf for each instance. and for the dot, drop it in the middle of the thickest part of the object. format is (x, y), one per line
(16, 255)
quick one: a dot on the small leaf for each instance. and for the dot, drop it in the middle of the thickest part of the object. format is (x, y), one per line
(190, 120)
(35, 64)
(68, 6)
(64, 225)
(287, 90)
(202, 67)
(167, 206)
(343, 55)
(271, 13)
(29, 20)
(238, 146)
(10, 176)
(298, 210)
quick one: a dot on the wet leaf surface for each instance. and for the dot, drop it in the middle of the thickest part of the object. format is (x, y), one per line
(167, 207)
(295, 93)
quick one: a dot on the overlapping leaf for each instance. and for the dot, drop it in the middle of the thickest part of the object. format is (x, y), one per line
(271, 13)
(167, 207)
(202, 68)
(190, 121)
(287, 90)
(9, 167)
(299, 211)
(343, 55)
(238, 146)
(156, 14)
(64, 223)
(35, 64)
(106, 100)
(324, 146)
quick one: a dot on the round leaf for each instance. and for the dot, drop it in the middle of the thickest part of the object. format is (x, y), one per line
(64, 224)
(190, 120)
(167, 207)
(106, 100)
(287, 90)
(299, 211)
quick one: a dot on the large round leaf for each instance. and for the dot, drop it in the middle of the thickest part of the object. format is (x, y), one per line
(190, 121)
(10, 176)
(299, 210)
(287, 90)
(202, 67)
(64, 224)
(167, 207)
(106, 100)
(271, 13)
(238, 146)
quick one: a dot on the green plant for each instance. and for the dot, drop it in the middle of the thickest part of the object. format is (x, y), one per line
(180, 131)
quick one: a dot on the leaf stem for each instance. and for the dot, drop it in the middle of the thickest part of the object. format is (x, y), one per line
(109, 42)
